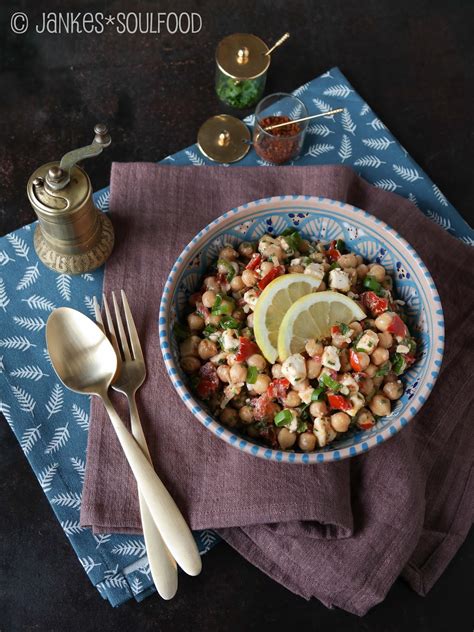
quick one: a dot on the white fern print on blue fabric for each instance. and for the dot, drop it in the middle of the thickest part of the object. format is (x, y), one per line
(5, 258)
(130, 547)
(439, 196)
(407, 173)
(79, 466)
(194, 159)
(340, 90)
(324, 107)
(319, 149)
(19, 245)
(32, 274)
(81, 417)
(63, 283)
(30, 438)
(34, 323)
(369, 161)
(55, 401)
(347, 122)
(29, 372)
(387, 184)
(46, 476)
(320, 129)
(379, 144)
(59, 440)
(21, 343)
(4, 300)
(444, 222)
(71, 500)
(25, 400)
(345, 150)
(39, 302)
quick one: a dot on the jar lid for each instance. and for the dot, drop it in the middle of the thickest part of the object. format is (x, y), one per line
(242, 56)
(224, 138)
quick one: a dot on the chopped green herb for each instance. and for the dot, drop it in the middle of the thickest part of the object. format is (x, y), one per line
(181, 332)
(208, 330)
(302, 426)
(334, 266)
(228, 322)
(399, 364)
(222, 306)
(345, 329)
(292, 238)
(252, 373)
(341, 246)
(229, 267)
(317, 395)
(283, 417)
(327, 381)
(371, 283)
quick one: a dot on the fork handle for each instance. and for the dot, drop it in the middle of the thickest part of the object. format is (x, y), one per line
(162, 563)
(166, 515)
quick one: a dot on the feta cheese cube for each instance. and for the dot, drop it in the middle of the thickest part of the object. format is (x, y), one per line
(316, 270)
(229, 341)
(368, 342)
(323, 430)
(402, 349)
(251, 298)
(305, 394)
(357, 400)
(330, 358)
(294, 368)
(293, 425)
(339, 280)
(349, 382)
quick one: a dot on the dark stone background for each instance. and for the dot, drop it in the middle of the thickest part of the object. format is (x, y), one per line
(411, 60)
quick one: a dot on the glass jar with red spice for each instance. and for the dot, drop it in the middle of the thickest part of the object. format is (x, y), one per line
(284, 143)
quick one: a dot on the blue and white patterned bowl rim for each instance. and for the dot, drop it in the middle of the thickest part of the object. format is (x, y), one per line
(422, 385)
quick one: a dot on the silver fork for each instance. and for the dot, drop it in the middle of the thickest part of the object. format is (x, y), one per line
(131, 375)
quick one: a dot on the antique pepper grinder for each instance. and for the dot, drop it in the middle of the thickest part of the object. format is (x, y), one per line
(72, 236)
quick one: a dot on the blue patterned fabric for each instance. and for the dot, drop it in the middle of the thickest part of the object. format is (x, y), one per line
(51, 422)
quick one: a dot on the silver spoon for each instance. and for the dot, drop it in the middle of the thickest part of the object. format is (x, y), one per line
(85, 362)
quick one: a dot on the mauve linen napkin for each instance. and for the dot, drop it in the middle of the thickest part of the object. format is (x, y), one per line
(341, 532)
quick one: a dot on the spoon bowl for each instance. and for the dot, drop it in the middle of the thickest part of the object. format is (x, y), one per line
(81, 354)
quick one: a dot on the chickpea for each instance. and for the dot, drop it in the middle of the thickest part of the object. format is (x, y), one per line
(368, 323)
(377, 380)
(322, 287)
(344, 359)
(352, 273)
(229, 417)
(387, 283)
(209, 298)
(258, 361)
(363, 358)
(211, 283)
(326, 266)
(250, 318)
(228, 253)
(371, 370)
(384, 321)
(261, 384)
(189, 347)
(347, 261)
(366, 386)
(286, 439)
(265, 267)
(249, 278)
(307, 441)
(292, 400)
(276, 371)
(365, 419)
(296, 269)
(190, 364)
(313, 368)
(377, 271)
(237, 284)
(195, 322)
(246, 414)
(314, 348)
(246, 249)
(362, 270)
(239, 314)
(340, 422)
(393, 390)
(380, 405)
(238, 373)
(390, 377)
(385, 340)
(359, 260)
(207, 349)
(301, 386)
(223, 373)
(379, 356)
(317, 409)
(214, 319)
(356, 327)
(304, 246)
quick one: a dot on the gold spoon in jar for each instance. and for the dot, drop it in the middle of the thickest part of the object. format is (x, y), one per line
(305, 118)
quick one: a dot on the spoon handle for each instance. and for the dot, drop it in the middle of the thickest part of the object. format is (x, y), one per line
(166, 515)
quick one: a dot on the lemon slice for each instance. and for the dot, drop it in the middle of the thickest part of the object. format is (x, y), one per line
(272, 305)
(312, 316)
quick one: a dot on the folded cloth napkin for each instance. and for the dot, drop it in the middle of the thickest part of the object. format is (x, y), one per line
(342, 532)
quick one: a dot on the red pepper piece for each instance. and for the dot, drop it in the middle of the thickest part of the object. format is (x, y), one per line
(335, 330)
(246, 349)
(409, 359)
(278, 388)
(354, 360)
(254, 262)
(208, 381)
(338, 402)
(374, 303)
(332, 252)
(366, 424)
(263, 408)
(268, 278)
(397, 327)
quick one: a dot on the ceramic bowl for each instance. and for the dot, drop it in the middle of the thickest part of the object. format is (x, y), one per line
(315, 218)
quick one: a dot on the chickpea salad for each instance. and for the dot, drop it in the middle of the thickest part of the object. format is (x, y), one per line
(319, 381)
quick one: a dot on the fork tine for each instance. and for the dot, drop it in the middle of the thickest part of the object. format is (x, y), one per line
(132, 330)
(122, 334)
(98, 315)
(110, 326)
